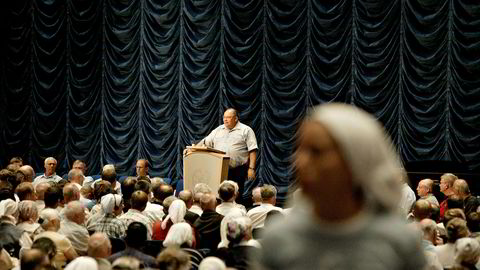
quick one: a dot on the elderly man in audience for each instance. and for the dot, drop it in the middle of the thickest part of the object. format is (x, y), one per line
(161, 192)
(53, 198)
(207, 226)
(29, 173)
(139, 202)
(256, 197)
(461, 189)
(26, 191)
(50, 165)
(425, 189)
(429, 230)
(196, 208)
(152, 210)
(421, 209)
(259, 213)
(110, 175)
(75, 176)
(82, 166)
(107, 221)
(467, 254)
(40, 190)
(187, 197)
(28, 217)
(135, 240)
(446, 187)
(100, 248)
(73, 226)
(228, 193)
(50, 222)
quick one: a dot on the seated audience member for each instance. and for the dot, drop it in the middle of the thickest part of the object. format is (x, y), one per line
(50, 175)
(11, 237)
(100, 248)
(126, 263)
(161, 192)
(167, 202)
(461, 189)
(152, 211)
(187, 197)
(467, 254)
(446, 187)
(82, 263)
(76, 177)
(107, 221)
(73, 226)
(86, 197)
(449, 215)
(425, 189)
(47, 246)
(429, 230)
(25, 191)
(29, 173)
(239, 233)
(181, 236)
(456, 229)
(53, 197)
(173, 258)
(228, 193)
(139, 202)
(223, 227)
(259, 213)
(135, 240)
(71, 193)
(110, 175)
(28, 217)
(256, 197)
(212, 263)
(82, 166)
(176, 214)
(142, 169)
(421, 209)
(196, 208)
(33, 259)
(40, 190)
(50, 222)
(18, 161)
(100, 189)
(473, 222)
(207, 226)
(454, 201)
(128, 187)
(348, 170)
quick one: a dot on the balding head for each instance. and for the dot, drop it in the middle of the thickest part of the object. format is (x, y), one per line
(269, 194)
(25, 191)
(139, 200)
(429, 229)
(425, 187)
(109, 174)
(187, 197)
(257, 195)
(40, 190)
(75, 212)
(421, 210)
(162, 191)
(99, 246)
(71, 193)
(460, 188)
(28, 171)
(76, 176)
(208, 202)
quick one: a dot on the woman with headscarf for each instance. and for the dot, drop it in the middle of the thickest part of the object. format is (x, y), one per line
(106, 221)
(181, 236)
(348, 170)
(82, 263)
(176, 214)
(11, 237)
(28, 217)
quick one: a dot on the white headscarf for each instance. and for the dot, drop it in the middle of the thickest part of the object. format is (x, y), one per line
(82, 263)
(176, 213)
(9, 208)
(109, 201)
(234, 213)
(367, 150)
(179, 234)
(467, 251)
(212, 263)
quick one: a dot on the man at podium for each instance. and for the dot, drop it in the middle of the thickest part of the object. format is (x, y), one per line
(239, 142)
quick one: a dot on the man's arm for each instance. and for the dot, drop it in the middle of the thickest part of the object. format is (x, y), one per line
(252, 159)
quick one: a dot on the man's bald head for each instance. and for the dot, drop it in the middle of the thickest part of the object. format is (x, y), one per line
(208, 202)
(40, 190)
(429, 229)
(71, 193)
(28, 171)
(460, 187)
(187, 197)
(421, 210)
(99, 246)
(75, 212)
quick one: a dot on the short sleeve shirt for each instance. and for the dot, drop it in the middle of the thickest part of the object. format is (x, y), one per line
(236, 142)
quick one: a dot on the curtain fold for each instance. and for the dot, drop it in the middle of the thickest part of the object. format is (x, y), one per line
(115, 81)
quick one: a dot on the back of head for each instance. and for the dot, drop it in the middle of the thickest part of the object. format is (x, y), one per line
(82, 263)
(173, 258)
(226, 192)
(162, 191)
(239, 229)
(186, 196)
(25, 191)
(111, 203)
(27, 211)
(454, 201)
(126, 263)
(208, 202)
(180, 234)
(6, 190)
(453, 213)
(47, 218)
(421, 209)
(46, 245)
(143, 185)
(268, 193)
(461, 188)
(71, 193)
(467, 252)
(53, 195)
(139, 200)
(128, 187)
(473, 222)
(32, 258)
(28, 171)
(100, 189)
(202, 188)
(40, 189)
(212, 263)
(456, 229)
(109, 174)
(99, 245)
(257, 195)
(167, 202)
(8, 176)
(74, 211)
(429, 228)
(136, 235)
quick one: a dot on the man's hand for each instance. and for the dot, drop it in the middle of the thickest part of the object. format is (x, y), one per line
(251, 174)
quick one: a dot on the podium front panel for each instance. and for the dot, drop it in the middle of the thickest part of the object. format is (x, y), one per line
(205, 167)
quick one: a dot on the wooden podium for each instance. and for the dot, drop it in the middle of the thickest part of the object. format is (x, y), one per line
(204, 165)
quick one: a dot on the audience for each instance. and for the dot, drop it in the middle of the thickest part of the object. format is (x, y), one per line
(456, 229)
(28, 217)
(176, 214)
(73, 226)
(208, 224)
(187, 197)
(100, 248)
(50, 174)
(259, 213)
(106, 221)
(139, 202)
(228, 192)
(467, 253)
(446, 187)
(173, 258)
(461, 189)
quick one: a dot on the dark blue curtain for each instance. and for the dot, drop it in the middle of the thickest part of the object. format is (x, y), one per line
(111, 81)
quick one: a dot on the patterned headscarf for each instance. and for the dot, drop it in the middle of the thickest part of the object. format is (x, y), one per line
(238, 228)
(9, 208)
(27, 211)
(109, 201)
(234, 213)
